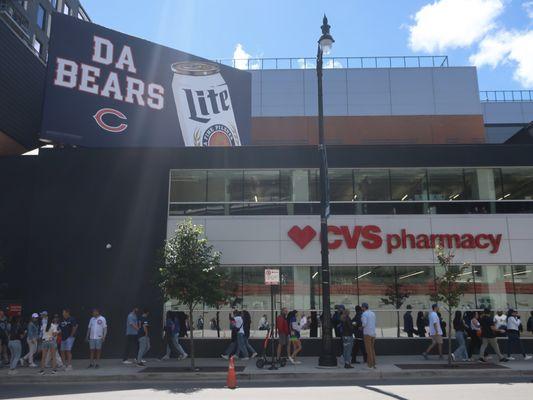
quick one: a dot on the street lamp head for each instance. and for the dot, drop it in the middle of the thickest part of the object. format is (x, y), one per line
(326, 40)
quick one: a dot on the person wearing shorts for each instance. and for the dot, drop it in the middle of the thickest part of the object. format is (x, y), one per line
(294, 326)
(68, 327)
(96, 333)
(435, 332)
(50, 331)
(282, 327)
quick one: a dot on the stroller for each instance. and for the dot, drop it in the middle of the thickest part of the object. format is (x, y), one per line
(264, 359)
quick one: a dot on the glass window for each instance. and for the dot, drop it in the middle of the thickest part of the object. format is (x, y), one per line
(341, 184)
(66, 9)
(224, 186)
(481, 183)
(446, 184)
(54, 4)
(494, 287)
(298, 185)
(187, 186)
(261, 185)
(517, 183)
(41, 17)
(408, 184)
(37, 45)
(523, 287)
(372, 185)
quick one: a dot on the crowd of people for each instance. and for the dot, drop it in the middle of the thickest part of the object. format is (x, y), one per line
(45, 341)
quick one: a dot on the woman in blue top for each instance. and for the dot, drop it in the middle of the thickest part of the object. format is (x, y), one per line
(31, 338)
(294, 327)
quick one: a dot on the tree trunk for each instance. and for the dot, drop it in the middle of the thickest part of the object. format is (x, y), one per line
(191, 325)
(449, 331)
(398, 323)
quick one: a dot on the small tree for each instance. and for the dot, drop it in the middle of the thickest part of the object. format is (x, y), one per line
(189, 272)
(448, 289)
(396, 296)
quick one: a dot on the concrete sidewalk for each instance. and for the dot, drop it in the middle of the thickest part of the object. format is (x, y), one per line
(308, 370)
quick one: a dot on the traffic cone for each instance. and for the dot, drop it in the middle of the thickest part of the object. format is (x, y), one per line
(231, 382)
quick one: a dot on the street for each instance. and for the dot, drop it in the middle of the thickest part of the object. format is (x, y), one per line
(517, 389)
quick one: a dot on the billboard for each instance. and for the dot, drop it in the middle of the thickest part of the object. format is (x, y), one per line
(108, 89)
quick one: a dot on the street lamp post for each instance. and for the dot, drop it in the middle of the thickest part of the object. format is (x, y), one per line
(327, 358)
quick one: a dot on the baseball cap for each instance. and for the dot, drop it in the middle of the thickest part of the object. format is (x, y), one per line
(44, 312)
(35, 315)
(364, 305)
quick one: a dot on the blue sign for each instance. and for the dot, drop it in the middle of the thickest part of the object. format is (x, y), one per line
(108, 89)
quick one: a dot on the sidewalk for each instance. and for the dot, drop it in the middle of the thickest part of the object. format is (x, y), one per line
(412, 367)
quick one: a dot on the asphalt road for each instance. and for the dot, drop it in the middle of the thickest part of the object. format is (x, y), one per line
(517, 389)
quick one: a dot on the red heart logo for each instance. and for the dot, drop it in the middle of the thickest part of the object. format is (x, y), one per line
(302, 237)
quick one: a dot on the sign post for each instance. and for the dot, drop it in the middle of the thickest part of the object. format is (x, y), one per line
(272, 279)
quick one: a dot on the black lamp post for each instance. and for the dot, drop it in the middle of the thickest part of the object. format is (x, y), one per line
(327, 358)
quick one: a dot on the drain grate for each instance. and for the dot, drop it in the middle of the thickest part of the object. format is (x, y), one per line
(187, 369)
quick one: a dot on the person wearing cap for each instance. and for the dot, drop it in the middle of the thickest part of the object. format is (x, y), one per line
(435, 332)
(368, 320)
(513, 334)
(69, 327)
(32, 338)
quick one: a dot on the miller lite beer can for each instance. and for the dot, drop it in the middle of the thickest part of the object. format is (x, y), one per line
(204, 106)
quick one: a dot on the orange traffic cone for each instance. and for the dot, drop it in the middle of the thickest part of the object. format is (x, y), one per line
(231, 382)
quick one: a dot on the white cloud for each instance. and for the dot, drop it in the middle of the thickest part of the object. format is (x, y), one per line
(508, 46)
(330, 63)
(448, 24)
(528, 7)
(244, 60)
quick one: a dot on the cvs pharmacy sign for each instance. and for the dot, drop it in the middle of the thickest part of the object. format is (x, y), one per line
(371, 237)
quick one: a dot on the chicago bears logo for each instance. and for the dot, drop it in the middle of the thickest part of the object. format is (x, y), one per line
(99, 118)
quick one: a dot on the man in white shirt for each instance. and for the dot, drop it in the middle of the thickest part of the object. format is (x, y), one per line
(368, 319)
(435, 332)
(96, 333)
(242, 350)
(500, 320)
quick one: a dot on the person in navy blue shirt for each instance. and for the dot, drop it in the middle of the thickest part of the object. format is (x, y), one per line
(143, 337)
(69, 327)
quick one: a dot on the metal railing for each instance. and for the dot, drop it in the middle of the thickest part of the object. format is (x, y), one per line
(337, 62)
(505, 95)
(15, 18)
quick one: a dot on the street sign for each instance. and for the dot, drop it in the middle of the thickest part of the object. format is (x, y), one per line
(271, 276)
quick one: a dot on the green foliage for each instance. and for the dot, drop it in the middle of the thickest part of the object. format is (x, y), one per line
(448, 289)
(189, 269)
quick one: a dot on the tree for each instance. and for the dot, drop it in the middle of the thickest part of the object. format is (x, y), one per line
(189, 271)
(396, 296)
(448, 289)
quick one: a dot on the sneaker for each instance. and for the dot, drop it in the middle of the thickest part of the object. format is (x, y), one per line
(41, 372)
(165, 357)
(291, 360)
(224, 356)
(143, 361)
(511, 358)
(12, 372)
(254, 355)
(141, 364)
(96, 366)
(183, 357)
(90, 366)
(127, 362)
(32, 365)
(527, 358)
(54, 371)
(453, 356)
(297, 362)
(482, 360)
(68, 368)
(348, 366)
(503, 359)
(425, 355)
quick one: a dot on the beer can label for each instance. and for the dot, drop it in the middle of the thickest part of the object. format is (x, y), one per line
(203, 104)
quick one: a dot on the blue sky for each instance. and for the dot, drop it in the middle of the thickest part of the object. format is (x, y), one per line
(495, 35)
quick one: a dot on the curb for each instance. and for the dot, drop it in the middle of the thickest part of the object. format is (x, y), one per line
(304, 376)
